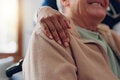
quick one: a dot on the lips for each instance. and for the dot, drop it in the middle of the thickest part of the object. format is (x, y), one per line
(97, 2)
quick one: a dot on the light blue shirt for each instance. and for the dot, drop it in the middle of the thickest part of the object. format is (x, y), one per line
(115, 66)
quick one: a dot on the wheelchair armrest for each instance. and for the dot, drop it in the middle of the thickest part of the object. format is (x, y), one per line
(14, 68)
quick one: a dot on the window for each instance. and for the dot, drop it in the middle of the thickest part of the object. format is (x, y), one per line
(10, 29)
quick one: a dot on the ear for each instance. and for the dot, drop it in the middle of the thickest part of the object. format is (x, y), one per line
(66, 3)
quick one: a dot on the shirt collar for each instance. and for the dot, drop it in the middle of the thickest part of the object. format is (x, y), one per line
(84, 33)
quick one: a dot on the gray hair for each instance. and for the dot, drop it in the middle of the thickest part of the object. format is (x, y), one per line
(60, 6)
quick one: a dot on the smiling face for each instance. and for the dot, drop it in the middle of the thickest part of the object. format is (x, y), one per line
(95, 8)
(92, 11)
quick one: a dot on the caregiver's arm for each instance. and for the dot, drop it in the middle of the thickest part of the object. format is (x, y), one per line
(55, 25)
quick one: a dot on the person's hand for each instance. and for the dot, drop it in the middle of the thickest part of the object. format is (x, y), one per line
(55, 25)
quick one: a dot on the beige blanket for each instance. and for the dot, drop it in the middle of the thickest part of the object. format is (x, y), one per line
(83, 60)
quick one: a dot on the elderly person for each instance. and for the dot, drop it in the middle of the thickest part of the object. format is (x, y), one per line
(113, 13)
(93, 50)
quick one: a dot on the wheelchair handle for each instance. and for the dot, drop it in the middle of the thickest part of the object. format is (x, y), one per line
(14, 69)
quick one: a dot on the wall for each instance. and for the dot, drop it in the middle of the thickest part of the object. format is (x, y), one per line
(29, 7)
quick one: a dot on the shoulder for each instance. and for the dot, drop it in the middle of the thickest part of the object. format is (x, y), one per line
(103, 28)
(40, 40)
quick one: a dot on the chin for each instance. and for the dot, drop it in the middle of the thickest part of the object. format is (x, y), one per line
(99, 15)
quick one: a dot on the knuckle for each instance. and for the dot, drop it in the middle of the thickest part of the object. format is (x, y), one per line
(46, 28)
(52, 17)
(64, 38)
(58, 16)
(47, 18)
(60, 30)
(67, 35)
(62, 17)
(47, 32)
(41, 20)
(62, 35)
(52, 29)
(64, 28)
(55, 36)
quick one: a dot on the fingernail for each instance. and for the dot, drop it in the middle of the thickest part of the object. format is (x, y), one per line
(51, 37)
(59, 42)
(68, 25)
(66, 44)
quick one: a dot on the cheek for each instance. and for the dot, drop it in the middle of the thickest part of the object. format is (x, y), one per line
(82, 9)
(79, 8)
(96, 14)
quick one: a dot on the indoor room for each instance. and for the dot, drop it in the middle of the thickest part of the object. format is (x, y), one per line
(19, 18)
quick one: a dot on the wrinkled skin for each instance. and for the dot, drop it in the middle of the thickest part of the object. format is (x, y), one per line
(55, 25)
(84, 13)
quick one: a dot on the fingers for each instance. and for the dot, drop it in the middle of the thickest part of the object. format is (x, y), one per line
(62, 31)
(45, 29)
(65, 27)
(67, 22)
(55, 26)
(52, 30)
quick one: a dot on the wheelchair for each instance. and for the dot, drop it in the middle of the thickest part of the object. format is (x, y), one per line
(15, 68)
(18, 66)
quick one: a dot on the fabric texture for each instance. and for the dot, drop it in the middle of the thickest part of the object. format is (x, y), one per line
(113, 61)
(83, 60)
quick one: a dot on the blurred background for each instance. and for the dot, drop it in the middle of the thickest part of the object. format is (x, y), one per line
(17, 24)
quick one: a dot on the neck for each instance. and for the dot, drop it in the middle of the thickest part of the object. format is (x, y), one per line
(86, 24)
